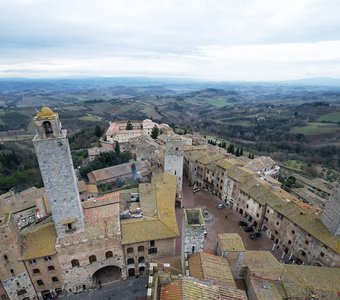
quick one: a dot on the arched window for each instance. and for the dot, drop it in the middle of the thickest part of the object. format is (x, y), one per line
(108, 254)
(50, 268)
(140, 248)
(47, 127)
(75, 263)
(129, 250)
(141, 259)
(92, 259)
(130, 261)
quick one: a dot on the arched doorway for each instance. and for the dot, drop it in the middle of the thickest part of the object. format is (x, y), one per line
(107, 274)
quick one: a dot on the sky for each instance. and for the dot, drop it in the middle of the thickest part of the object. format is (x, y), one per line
(227, 40)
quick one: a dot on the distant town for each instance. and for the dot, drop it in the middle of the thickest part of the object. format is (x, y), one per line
(179, 216)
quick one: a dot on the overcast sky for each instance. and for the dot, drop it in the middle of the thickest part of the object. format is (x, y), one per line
(212, 39)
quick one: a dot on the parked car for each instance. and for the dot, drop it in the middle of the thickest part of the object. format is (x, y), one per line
(248, 229)
(242, 223)
(255, 235)
(196, 190)
(205, 233)
(221, 205)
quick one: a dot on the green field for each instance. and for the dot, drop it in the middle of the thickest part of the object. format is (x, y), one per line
(218, 102)
(293, 164)
(314, 129)
(331, 117)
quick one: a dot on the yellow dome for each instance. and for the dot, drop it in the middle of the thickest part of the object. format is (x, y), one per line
(45, 112)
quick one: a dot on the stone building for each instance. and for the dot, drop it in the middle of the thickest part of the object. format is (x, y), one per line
(14, 277)
(173, 162)
(153, 231)
(193, 228)
(331, 213)
(56, 167)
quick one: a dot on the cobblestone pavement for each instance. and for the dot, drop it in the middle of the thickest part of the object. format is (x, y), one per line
(222, 221)
(130, 289)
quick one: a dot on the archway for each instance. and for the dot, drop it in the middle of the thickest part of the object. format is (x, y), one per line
(107, 274)
(131, 272)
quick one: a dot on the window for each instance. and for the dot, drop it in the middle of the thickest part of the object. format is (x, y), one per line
(303, 253)
(75, 263)
(36, 271)
(277, 223)
(289, 242)
(40, 282)
(306, 242)
(92, 259)
(130, 261)
(12, 272)
(152, 243)
(55, 279)
(141, 259)
(247, 206)
(257, 215)
(293, 232)
(276, 232)
(322, 254)
(129, 250)
(47, 258)
(6, 258)
(140, 248)
(50, 268)
(32, 261)
(108, 254)
(152, 250)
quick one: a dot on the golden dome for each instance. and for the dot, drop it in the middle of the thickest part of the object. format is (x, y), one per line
(45, 112)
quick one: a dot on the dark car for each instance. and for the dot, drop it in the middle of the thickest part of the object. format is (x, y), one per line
(248, 229)
(221, 205)
(242, 223)
(255, 235)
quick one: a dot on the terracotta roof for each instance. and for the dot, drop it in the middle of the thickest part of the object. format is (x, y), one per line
(240, 174)
(226, 163)
(261, 261)
(157, 201)
(208, 158)
(230, 242)
(39, 241)
(212, 267)
(189, 288)
(115, 171)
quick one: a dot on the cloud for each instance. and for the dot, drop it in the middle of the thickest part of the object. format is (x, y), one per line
(217, 39)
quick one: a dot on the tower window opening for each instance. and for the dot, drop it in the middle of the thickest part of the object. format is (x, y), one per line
(47, 127)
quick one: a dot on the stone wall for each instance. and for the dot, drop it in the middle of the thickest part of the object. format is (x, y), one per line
(331, 214)
(19, 287)
(60, 183)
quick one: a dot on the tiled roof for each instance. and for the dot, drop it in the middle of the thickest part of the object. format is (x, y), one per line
(260, 163)
(240, 174)
(230, 242)
(189, 288)
(226, 163)
(115, 171)
(208, 158)
(261, 261)
(193, 155)
(211, 267)
(39, 241)
(157, 201)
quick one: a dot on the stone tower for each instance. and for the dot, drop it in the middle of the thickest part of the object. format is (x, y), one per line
(173, 161)
(331, 213)
(193, 228)
(56, 167)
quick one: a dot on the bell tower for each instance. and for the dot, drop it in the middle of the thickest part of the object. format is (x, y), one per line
(56, 167)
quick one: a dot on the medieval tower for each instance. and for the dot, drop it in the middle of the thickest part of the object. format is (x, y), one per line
(56, 167)
(173, 162)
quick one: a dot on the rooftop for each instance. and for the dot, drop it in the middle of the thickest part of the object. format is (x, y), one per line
(38, 241)
(193, 216)
(262, 262)
(226, 163)
(240, 174)
(211, 267)
(230, 242)
(4, 219)
(45, 113)
(157, 201)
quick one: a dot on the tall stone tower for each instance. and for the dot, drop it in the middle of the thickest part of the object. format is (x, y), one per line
(331, 213)
(173, 161)
(56, 167)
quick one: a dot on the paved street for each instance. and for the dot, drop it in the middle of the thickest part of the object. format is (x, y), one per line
(219, 224)
(130, 289)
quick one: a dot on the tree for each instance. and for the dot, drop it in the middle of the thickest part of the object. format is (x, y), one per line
(129, 125)
(155, 132)
(241, 151)
(237, 153)
(117, 149)
(230, 149)
(98, 131)
(252, 156)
